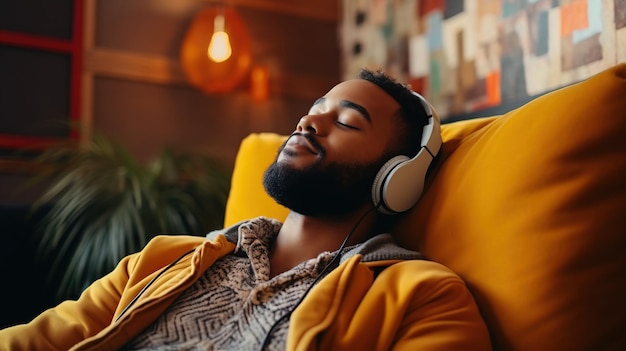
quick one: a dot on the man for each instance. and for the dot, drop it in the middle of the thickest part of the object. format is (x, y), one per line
(324, 279)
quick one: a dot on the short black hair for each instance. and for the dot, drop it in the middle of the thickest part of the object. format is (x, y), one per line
(412, 115)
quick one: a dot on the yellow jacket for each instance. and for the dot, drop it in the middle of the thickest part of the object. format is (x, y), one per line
(410, 305)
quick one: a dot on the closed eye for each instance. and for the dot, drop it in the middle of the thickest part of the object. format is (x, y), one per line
(347, 126)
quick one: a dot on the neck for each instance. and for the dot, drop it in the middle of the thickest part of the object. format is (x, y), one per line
(303, 237)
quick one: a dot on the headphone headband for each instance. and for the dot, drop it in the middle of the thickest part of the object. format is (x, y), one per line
(433, 127)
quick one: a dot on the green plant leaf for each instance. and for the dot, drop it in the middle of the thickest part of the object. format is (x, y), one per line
(104, 205)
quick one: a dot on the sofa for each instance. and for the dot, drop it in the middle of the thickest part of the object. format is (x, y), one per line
(528, 207)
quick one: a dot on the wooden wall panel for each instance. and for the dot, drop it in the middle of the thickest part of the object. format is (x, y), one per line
(136, 92)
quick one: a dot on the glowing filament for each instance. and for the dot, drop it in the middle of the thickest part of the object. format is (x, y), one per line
(219, 48)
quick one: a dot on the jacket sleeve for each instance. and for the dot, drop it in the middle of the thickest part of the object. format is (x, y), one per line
(441, 313)
(60, 327)
(71, 322)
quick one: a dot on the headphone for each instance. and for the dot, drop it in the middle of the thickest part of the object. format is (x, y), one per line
(400, 181)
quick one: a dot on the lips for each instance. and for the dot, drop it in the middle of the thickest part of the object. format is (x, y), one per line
(302, 141)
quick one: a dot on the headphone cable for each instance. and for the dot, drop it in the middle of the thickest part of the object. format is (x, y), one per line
(337, 255)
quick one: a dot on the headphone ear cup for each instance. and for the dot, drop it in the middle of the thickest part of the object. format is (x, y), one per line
(378, 187)
(404, 185)
(400, 181)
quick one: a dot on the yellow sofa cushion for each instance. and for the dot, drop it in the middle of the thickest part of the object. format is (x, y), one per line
(247, 197)
(529, 208)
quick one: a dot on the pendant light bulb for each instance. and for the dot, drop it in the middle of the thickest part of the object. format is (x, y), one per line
(219, 48)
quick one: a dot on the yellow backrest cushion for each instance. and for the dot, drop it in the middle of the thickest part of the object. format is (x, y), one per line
(529, 208)
(247, 197)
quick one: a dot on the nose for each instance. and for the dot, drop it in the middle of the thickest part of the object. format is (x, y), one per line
(307, 124)
(313, 124)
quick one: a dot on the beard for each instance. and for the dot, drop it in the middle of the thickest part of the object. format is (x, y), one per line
(333, 190)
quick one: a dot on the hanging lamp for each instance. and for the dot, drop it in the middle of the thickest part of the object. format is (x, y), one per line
(215, 52)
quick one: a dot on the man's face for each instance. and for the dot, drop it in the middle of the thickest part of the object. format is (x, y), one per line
(327, 166)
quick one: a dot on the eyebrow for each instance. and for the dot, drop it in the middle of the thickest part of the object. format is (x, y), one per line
(351, 105)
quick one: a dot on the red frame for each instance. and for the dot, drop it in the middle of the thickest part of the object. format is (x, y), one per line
(73, 47)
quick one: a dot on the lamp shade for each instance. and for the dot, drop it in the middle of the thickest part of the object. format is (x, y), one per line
(204, 72)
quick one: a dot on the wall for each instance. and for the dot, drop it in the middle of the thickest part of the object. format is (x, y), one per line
(133, 88)
(158, 108)
(471, 56)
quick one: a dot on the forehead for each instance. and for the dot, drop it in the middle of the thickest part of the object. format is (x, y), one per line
(367, 94)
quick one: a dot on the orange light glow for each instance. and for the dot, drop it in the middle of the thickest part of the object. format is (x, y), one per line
(259, 83)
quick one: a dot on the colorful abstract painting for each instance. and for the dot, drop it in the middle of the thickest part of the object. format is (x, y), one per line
(469, 55)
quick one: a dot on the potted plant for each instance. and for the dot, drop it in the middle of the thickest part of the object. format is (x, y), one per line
(102, 204)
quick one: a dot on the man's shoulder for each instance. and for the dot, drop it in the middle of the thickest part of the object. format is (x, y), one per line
(167, 246)
(382, 247)
(424, 270)
(176, 239)
(164, 249)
